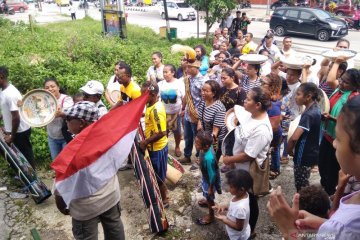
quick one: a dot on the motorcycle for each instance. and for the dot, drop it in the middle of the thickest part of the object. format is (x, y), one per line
(10, 10)
(350, 22)
(245, 5)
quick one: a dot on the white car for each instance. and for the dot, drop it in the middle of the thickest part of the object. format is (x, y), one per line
(179, 10)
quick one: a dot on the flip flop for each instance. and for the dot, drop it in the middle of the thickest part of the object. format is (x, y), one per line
(273, 175)
(201, 221)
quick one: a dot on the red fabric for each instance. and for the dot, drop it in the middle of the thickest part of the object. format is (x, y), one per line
(98, 138)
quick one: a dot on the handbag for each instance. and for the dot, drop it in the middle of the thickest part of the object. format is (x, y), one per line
(260, 175)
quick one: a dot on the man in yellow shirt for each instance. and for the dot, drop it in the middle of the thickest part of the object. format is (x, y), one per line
(128, 88)
(155, 136)
(249, 46)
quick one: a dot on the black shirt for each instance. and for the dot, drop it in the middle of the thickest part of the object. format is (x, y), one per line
(307, 147)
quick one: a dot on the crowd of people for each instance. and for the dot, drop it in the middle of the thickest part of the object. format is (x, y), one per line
(193, 103)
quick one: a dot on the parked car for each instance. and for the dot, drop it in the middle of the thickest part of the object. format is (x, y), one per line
(343, 7)
(179, 10)
(307, 21)
(18, 5)
(280, 3)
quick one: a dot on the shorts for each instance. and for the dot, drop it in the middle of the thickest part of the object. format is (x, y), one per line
(159, 163)
(205, 187)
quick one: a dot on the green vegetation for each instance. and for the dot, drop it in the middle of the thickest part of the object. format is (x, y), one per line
(74, 52)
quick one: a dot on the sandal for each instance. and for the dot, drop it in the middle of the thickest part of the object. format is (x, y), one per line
(203, 203)
(201, 221)
(315, 169)
(273, 175)
(177, 152)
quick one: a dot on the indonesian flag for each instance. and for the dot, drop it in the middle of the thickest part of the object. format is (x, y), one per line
(94, 156)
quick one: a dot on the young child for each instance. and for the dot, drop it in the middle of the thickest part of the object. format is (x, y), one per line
(238, 211)
(210, 173)
(305, 139)
(156, 137)
(314, 200)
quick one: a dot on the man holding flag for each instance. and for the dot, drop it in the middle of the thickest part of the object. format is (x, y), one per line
(87, 187)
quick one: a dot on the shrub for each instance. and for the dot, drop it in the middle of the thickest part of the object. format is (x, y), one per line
(75, 52)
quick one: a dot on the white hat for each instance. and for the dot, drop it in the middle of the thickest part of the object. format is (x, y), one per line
(241, 114)
(93, 87)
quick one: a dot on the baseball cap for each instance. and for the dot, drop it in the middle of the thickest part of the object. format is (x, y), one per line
(93, 87)
(83, 110)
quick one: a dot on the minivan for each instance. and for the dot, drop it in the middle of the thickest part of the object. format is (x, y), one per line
(307, 21)
(179, 10)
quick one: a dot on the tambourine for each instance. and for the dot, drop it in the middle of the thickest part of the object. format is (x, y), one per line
(293, 125)
(115, 95)
(324, 103)
(38, 108)
(253, 58)
(332, 55)
(230, 119)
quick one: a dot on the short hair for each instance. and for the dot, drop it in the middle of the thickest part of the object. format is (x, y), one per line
(215, 88)
(251, 35)
(234, 43)
(286, 37)
(264, 50)
(314, 200)
(343, 40)
(261, 96)
(243, 14)
(151, 86)
(351, 122)
(238, 12)
(239, 179)
(202, 49)
(354, 76)
(4, 72)
(126, 67)
(205, 138)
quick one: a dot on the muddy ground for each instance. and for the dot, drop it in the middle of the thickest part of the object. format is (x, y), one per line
(181, 215)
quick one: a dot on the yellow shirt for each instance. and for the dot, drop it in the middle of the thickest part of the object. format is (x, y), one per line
(250, 46)
(155, 122)
(130, 92)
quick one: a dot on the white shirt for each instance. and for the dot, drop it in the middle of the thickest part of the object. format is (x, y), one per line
(102, 108)
(9, 98)
(54, 128)
(155, 73)
(313, 78)
(288, 53)
(288, 102)
(171, 94)
(254, 139)
(239, 210)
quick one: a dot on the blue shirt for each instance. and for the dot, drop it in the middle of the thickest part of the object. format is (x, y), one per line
(208, 165)
(204, 65)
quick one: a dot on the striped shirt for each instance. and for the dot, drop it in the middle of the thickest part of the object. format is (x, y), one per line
(326, 88)
(213, 115)
(247, 84)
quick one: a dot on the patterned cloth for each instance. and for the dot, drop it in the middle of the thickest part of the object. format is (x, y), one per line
(196, 84)
(83, 110)
(301, 176)
(247, 84)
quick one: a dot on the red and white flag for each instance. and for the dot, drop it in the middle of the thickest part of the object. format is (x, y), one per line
(94, 156)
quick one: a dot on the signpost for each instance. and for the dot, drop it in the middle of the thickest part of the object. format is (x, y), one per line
(113, 17)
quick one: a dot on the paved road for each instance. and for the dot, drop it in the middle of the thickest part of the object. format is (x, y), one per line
(185, 29)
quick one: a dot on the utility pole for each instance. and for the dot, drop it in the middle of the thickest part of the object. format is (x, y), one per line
(167, 21)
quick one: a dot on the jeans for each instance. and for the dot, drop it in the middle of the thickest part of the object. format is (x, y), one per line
(22, 142)
(190, 131)
(55, 146)
(110, 221)
(275, 153)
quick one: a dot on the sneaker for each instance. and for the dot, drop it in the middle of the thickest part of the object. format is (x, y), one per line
(126, 167)
(193, 167)
(185, 160)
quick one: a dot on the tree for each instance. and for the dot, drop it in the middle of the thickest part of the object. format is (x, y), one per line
(215, 10)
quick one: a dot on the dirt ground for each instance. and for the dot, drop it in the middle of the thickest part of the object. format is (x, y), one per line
(181, 215)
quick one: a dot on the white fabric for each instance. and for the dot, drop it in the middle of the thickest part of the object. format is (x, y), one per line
(153, 74)
(289, 53)
(54, 128)
(313, 78)
(95, 176)
(89, 207)
(265, 68)
(9, 98)
(213, 54)
(179, 87)
(239, 210)
(93, 87)
(254, 139)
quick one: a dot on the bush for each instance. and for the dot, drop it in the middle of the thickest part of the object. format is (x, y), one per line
(75, 52)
